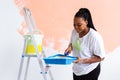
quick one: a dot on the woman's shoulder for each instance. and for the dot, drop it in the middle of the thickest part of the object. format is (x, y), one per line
(95, 34)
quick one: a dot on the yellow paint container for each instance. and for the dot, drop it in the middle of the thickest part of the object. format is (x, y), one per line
(30, 49)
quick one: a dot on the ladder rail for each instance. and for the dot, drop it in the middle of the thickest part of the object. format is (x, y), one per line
(32, 20)
(22, 60)
(27, 66)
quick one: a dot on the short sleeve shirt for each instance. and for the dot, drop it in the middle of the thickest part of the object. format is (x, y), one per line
(86, 47)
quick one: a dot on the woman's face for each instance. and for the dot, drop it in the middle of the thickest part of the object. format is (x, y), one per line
(80, 24)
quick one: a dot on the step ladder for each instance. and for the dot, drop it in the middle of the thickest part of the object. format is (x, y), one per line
(39, 54)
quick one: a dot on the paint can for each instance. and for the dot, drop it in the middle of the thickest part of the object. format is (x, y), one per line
(30, 49)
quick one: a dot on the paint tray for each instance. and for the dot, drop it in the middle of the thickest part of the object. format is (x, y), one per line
(59, 59)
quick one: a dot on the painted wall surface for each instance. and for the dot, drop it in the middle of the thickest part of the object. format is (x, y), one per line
(55, 19)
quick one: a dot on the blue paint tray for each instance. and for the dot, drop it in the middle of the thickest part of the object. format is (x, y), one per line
(59, 59)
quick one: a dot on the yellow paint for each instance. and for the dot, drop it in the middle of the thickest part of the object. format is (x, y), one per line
(30, 50)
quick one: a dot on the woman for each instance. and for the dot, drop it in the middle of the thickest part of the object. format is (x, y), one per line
(87, 45)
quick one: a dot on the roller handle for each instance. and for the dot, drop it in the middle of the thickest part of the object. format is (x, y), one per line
(67, 53)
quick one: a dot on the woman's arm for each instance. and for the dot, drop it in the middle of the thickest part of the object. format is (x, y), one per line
(69, 49)
(89, 60)
(92, 59)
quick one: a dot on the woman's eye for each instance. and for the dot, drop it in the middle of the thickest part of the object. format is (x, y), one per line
(79, 25)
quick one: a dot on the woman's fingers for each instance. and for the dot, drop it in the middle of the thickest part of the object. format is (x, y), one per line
(79, 60)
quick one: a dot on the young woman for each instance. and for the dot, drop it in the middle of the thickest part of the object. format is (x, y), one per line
(87, 45)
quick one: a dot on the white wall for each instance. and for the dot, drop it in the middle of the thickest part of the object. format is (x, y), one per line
(11, 43)
(111, 66)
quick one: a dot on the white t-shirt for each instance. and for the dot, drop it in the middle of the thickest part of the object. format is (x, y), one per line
(86, 47)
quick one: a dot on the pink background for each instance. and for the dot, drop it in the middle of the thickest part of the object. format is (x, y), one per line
(55, 19)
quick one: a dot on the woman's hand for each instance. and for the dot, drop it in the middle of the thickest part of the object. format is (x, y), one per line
(69, 49)
(79, 60)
